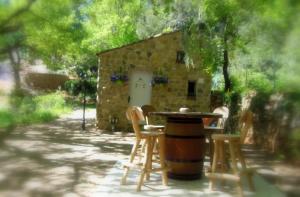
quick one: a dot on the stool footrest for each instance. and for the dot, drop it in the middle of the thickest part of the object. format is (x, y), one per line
(133, 165)
(158, 169)
(229, 177)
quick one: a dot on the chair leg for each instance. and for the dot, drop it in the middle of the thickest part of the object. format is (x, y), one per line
(222, 159)
(132, 156)
(161, 150)
(214, 165)
(134, 150)
(146, 163)
(143, 148)
(125, 174)
(244, 167)
(149, 163)
(211, 150)
(234, 166)
(156, 149)
(239, 189)
(141, 181)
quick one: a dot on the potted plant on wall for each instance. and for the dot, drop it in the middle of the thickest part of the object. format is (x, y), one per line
(160, 78)
(119, 77)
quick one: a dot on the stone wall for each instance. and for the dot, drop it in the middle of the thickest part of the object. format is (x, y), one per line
(154, 54)
(45, 81)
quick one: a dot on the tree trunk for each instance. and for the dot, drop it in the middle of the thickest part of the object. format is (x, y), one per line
(15, 61)
(233, 105)
(227, 85)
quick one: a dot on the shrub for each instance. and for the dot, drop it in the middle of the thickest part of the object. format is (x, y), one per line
(29, 109)
(53, 102)
(75, 87)
(260, 83)
(6, 118)
(295, 144)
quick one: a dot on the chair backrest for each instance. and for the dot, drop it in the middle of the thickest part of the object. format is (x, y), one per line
(146, 109)
(225, 113)
(245, 124)
(135, 115)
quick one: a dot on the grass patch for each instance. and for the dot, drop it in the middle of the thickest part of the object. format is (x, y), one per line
(78, 102)
(38, 109)
(6, 119)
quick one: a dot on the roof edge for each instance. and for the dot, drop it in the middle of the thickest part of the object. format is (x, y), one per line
(136, 42)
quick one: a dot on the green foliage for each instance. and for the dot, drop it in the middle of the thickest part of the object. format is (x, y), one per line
(111, 23)
(233, 100)
(288, 75)
(7, 118)
(36, 109)
(71, 30)
(75, 87)
(259, 82)
(61, 32)
(85, 71)
(295, 144)
(269, 60)
(52, 103)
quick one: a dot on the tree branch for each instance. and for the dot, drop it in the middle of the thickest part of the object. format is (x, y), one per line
(3, 24)
(9, 29)
(10, 47)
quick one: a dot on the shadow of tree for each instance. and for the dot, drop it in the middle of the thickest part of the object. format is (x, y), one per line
(58, 158)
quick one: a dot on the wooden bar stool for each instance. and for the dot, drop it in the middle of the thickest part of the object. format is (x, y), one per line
(149, 138)
(218, 128)
(233, 141)
(150, 127)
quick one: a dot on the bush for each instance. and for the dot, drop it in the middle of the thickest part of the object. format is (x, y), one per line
(75, 87)
(38, 109)
(295, 144)
(54, 103)
(6, 119)
(260, 83)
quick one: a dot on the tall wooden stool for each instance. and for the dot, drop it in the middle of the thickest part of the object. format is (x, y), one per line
(235, 155)
(150, 127)
(218, 128)
(150, 138)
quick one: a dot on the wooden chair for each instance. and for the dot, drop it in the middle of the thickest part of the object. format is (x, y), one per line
(146, 110)
(219, 158)
(218, 128)
(150, 127)
(220, 121)
(150, 138)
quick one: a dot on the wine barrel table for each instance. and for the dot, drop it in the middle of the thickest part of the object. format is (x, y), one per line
(185, 143)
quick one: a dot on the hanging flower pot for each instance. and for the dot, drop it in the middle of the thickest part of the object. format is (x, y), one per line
(119, 78)
(160, 80)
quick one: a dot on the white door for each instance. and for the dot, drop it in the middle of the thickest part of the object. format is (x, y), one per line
(140, 88)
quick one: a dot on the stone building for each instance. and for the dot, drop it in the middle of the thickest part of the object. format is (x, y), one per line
(150, 71)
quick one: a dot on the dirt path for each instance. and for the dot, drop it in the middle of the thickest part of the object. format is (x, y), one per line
(283, 175)
(58, 159)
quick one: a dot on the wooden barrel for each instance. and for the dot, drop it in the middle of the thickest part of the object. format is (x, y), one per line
(185, 147)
